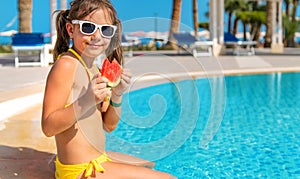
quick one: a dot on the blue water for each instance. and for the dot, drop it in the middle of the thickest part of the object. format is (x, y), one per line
(232, 127)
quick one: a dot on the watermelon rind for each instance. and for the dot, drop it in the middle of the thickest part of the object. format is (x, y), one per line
(114, 84)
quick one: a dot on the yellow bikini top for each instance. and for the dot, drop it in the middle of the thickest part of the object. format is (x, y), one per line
(83, 63)
(90, 74)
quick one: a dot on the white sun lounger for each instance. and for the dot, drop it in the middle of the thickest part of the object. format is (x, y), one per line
(197, 47)
(127, 45)
(29, 42)
(239, 47)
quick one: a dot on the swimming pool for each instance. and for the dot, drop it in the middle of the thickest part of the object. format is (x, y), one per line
(228, 127)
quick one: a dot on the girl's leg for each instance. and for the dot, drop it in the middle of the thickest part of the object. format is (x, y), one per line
(125, 171)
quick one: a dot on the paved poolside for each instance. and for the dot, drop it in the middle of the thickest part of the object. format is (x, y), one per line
(25, 151)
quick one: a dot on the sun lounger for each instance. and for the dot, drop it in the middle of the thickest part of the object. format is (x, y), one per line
(239, 47)
(29, 42)
(197, 47)
(127, 45)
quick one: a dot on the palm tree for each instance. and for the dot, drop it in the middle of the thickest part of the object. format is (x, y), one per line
(258, 18)
(293, 16)
(290, 23)
(175, 21)
(232, 6)
(269, 24)
(204, 25)
(294, 10)
(290, 28)
(25, 15)
(250, 13)
(195, 17)
(245, 18)
(287, 7)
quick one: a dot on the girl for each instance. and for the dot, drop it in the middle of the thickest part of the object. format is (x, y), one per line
(75, 92)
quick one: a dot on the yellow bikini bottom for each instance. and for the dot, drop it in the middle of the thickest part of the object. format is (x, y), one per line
(73, 171)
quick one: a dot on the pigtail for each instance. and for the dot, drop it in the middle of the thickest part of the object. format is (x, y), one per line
(63, 39)
(115, 50)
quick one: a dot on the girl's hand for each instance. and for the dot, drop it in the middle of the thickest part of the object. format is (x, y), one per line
(124, 83)
(100, 89)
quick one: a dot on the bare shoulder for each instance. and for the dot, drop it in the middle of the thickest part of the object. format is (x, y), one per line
(64, 65)
(61, 75)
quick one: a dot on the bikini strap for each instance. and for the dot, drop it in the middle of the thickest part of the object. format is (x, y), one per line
(82, 62)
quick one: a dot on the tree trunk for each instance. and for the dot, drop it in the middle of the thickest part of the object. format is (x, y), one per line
(294, 10)
(291, 41)
(268, 36)
(25, 15)
(229, 22)
(235, 26)
(175, 21)
(287, 7)
(257, 33)
(195, 17)
(245, 31)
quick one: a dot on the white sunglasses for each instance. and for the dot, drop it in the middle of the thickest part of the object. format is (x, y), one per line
(89, 28)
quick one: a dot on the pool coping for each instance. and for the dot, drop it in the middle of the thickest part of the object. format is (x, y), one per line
(8, 108)
(183, 67)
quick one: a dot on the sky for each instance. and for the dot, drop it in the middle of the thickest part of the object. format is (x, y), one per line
(144, 14)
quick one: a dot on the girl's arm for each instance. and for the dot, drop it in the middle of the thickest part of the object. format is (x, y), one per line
(112, 116)
(56, 117)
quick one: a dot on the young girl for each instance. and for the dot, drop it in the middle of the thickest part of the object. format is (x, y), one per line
(75, 92)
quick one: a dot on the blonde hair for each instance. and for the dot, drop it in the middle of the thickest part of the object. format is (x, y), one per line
(78, 10)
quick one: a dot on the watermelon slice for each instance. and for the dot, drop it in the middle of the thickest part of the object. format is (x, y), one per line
(112, 71)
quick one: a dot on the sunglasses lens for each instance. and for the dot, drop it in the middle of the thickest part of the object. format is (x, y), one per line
(88, 28)
(107, 31)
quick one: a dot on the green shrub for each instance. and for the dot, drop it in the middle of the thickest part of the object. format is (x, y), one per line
(5, 49)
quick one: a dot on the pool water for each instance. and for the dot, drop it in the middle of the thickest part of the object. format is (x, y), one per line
(224, 127)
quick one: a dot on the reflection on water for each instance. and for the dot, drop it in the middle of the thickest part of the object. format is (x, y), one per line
(152, 110)
(218, 100)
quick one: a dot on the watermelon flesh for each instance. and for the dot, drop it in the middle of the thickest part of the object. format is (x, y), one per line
(112, 71)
